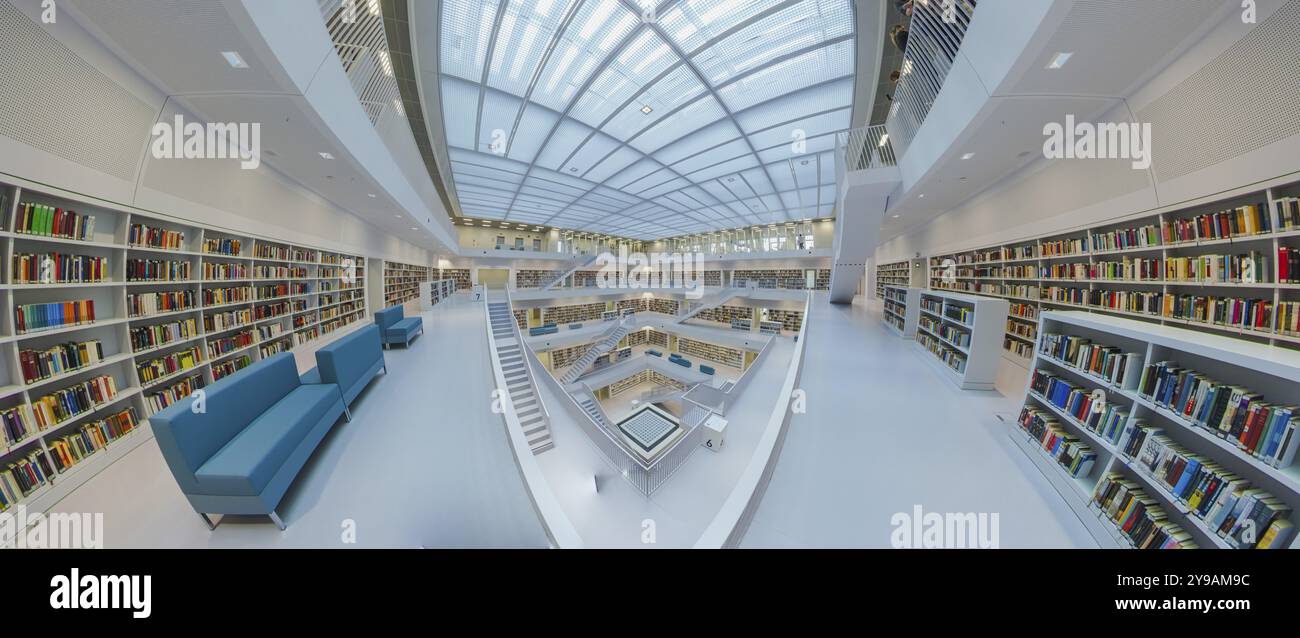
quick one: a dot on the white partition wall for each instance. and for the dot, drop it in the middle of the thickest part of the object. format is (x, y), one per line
(962, 336)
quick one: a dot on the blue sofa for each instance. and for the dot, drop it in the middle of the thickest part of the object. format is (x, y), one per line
(654, 353)
(707, 369)
(546, 329)
(253, 434)
(350, 363)
(677, 358)
(397, 329)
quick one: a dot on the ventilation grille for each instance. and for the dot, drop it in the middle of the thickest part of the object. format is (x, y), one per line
(1243, 100)
(56, 101)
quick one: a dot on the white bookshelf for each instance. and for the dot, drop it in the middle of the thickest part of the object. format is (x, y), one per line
(1085, 268)
(1272, 371)
(962, 336)
(237, 302)
(897, 273)
(901, 307)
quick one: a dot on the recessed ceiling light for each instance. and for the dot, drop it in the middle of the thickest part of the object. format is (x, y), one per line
(921, 195)
(967, 156)
(1060, 59)
(370, 195)
(414, 228)
(646, 109)
(234, 59)
(326, 155)
(895, 216)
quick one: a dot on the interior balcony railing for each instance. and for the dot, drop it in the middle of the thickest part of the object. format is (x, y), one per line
(357, 29)
(934, 35)
(862, 148)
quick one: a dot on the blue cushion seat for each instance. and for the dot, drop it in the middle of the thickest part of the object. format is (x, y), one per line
(395, 328)
(707, 369)
(310, 377)
(256, 430)
(352, 361)
(654, 353)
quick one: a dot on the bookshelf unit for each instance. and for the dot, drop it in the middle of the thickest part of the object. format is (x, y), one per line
(901, 309)
(402, 282)
(460, 275)
(962, 336)
(157, 308)
(712, 352)
(1134, 425)
(898, 273)
(1166, 268)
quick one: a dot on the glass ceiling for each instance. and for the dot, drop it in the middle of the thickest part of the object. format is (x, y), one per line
(645, 120)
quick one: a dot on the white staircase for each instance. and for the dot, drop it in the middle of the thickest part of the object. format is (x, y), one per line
(579, 263)
(610, 339)
(519, 382)
(712, 301)
(589, 406)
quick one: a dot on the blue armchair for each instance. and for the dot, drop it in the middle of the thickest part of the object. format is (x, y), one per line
(397, 329)
(350, 363)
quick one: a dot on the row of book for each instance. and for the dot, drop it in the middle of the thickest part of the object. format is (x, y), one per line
(157, 270)
(1089, 410)
(59, 268)
(1018, 347)
(1126, 238)
(960, 314)
(268, 348)
(221, 296)
(1138, 515)
(35, 317)
(1244, 517)
(1127, 269)
(1064, 271)
(1288, 212)
(220, 270)
(230, 366)
(143, 304)
(1074, 456)
(18, 424)
(1239, 312)
(61, 405)
(221, 246)
(1063, 247)
(1288, 265)
(271, 251)
(1251, 267)
(272, 291)
(270, 331)
(230, 343)
(1239, 415)
(1242, 221)
(1023, 310)
(52, 221)
(947, 354)
(1105, 362)
(60, 358)
(218, 321)
(24, 476)
(171, 363)
(161, 334)
(157, 401)
(150, 237)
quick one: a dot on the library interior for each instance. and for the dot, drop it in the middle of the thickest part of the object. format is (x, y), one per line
(652, 273)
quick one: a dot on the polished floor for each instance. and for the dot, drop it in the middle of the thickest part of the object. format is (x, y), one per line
(883, 433)
(423, 463)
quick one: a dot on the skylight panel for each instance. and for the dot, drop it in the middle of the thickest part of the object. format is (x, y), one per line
(695, 115)
(730, 150)
(693, 23)
(591, 153)
(833, 61)
(620, 160)
(531, 132)
(837, 94)
(464, 34)
(566, 139)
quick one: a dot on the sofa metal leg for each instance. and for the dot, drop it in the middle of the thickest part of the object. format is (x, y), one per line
(211, 526)
(347, 414)
(275, 518)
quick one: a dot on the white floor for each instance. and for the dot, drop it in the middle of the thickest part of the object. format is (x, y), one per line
(883, 432)
(423, 463)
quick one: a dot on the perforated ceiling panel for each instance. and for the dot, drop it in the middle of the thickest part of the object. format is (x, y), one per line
(97, 124)
(699, 114)
(1247, 98)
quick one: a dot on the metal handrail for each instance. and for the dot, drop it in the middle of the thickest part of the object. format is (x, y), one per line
(863, 148)
(934, 36)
